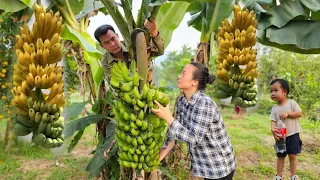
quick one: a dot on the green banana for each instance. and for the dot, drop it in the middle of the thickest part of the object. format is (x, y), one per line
(25, 121)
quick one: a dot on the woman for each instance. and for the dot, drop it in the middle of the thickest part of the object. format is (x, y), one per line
(199, 124)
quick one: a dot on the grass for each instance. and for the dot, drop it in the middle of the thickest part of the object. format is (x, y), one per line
(250, 137)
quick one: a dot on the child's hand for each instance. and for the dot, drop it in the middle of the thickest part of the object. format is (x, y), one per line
(275, 134)
(283, 116)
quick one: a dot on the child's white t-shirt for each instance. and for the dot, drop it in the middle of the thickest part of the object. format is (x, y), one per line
(292, 125)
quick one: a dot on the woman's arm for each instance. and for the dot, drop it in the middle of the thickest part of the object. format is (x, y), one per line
(164, 152)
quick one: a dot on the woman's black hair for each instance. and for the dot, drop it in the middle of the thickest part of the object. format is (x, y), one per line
(102, 30)
(284, 84)
(201, 74)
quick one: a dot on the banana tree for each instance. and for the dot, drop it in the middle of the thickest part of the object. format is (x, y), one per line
(289, 25)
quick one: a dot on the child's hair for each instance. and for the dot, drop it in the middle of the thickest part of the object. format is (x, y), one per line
(284, 84)
(202, 75)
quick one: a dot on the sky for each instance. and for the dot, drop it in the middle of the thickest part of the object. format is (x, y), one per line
(182, 35)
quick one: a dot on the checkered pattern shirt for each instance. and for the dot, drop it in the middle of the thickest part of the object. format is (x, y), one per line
(199, 124)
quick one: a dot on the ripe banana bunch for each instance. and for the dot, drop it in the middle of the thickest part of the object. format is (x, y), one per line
(38, 50)
(237, 63)
(139, 130)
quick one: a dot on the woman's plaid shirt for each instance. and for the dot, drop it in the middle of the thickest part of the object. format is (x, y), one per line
(199, 124)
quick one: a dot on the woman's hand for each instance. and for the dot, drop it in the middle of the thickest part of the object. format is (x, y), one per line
(163, 112)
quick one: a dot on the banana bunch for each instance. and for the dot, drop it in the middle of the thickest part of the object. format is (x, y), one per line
(38, 51)
(139, 131)
(237, 63)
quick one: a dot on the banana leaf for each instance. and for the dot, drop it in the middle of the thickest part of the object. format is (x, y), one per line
(193, 1)
(98, 162)
(207, 16)
(315, 16)
(256, 5)
(74, 109)
(29, 3)
(297, 36)
(311, 4)
(89, 6)
(80, 124)
(84, 39)
(12, 5)
(168, 19)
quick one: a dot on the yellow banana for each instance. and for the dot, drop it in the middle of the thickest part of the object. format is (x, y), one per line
(30, 80)
(19, 42)
(25, 88)
(24, 29)
(236, 60)
(55, 39)
(58, 77)
(236, 8)
(23, 99)
(39, 71)
(39, 56)
(47, 23)
(24, 37)
(32, 48)
(59, 99)
(17, 78)
(231, 51)
(37, 11)
(234, 23)
(55, 54)
(30, 36)
(59, 69)
(230, 59)
(242, 41)
(238, 19)
(44, 81)
(37, 82)
(45, 55)
(54, 26)
(33, 58)
(46, 44)
(39, 43)
(251, 29)
(244, 15)
(33, 69)
(242, 60)
(41, 25)
(35, 31)
(250, 39)
(49, 68)
(26, 47)
(18, 52)
(52, 77)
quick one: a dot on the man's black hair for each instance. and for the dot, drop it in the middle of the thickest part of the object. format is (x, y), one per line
(102, 30)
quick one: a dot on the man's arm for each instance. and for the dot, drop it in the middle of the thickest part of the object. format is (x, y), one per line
(155, 36)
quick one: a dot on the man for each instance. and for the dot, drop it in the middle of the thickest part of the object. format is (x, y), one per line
(117, 51)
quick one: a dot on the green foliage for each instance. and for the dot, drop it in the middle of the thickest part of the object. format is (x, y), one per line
(289, 26)
(8, 29)
(172, 66)
(301, 71)
(71, 78)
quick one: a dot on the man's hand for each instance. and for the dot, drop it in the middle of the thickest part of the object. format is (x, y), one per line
(151, 27)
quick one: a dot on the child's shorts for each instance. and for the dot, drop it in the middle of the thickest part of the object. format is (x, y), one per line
(293, 144)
